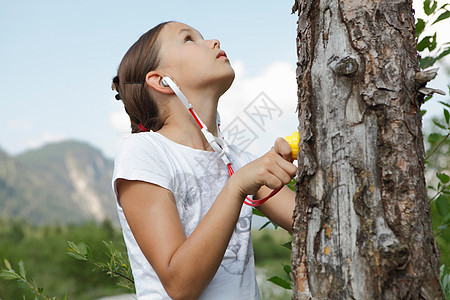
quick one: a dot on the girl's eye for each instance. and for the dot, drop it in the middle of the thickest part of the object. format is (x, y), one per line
(188, 39)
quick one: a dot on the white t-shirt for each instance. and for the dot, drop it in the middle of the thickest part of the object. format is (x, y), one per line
(195, 177)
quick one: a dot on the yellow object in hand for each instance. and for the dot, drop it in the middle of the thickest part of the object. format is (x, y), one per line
(293, 141)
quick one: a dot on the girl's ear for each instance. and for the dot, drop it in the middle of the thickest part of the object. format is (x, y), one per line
(153, 79)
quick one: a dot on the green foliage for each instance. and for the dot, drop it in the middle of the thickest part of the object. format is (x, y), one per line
(438, 143)
(438, 163)
(445, 280)
(22, 281)
(117, 266)
(434, 15)
(283, 282)
(267, 245)
(280, 282)
(42, 250)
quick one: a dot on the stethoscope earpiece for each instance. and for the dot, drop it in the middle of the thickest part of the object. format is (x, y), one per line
(164, 83)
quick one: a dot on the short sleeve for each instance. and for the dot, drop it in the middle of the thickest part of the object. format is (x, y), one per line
(244, 156)
(249, 156)
(140, 159)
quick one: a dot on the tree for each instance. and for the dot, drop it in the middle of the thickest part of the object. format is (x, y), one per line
(362, 226)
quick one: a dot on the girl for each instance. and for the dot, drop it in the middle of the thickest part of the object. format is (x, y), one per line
(185, 226)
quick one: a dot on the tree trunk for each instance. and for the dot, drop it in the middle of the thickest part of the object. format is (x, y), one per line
(362, 227)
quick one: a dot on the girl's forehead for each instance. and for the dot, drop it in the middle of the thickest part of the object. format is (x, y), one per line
(173, 29)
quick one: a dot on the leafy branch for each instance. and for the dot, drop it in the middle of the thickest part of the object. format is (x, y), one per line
(117, 266)
(21, 280)
(429, 42)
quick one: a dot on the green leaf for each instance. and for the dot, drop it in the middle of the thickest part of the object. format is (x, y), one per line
(438, 124)
(291, 184)
(446, 219)
(443, 16)
(9, 275)
(443, 6)
(76, 255)
(22, 270)
(258, 213)
(424, 43)
(73, 246)
(83, 248)
(420, 25)
(288, 245)
(280, 282)
(444, 53)
(433, 43)
(429, 7)
(434, 138)
(89, 252)
(262, 227)
(423, 112)
(427, 62)
(447, 116)
(7, 264)
(22, 284)
(433, 7)
(445, 104)
(444, 178)
(442, 205)
(287, 269)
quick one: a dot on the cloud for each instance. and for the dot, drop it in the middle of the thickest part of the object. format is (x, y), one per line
(277, 81)
(19, 125)
(279, 87)
(44, 139)
(119, 121)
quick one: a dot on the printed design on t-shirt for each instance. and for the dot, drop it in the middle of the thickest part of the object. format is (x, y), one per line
(239, 250)
(196, 187)
(186, 193)
(206, 165)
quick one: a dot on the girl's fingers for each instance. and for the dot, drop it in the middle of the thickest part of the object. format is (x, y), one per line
(287, 166)
(282, 148)
(273, 181)
(283, 176)
(283, 157)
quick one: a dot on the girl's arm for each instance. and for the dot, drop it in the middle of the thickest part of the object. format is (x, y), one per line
(280, 208)
(185, 266)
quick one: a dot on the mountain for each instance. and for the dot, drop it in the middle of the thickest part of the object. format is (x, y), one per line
(66, 182)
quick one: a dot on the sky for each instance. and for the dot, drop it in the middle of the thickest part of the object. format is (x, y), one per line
(58, 59)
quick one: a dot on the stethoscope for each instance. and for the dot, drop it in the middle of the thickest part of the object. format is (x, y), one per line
(219, 145)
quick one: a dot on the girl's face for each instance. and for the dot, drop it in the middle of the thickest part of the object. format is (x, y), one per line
(193, 62)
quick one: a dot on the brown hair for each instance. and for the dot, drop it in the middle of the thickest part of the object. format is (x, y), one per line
(141, 58)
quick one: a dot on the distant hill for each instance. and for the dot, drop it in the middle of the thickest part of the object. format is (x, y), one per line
(66, 182)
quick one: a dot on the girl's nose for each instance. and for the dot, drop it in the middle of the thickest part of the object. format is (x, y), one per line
(215, 43)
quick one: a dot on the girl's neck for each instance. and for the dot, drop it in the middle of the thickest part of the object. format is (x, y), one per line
(179, 125)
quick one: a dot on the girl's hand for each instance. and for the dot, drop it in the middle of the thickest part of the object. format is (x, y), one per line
(274, 170)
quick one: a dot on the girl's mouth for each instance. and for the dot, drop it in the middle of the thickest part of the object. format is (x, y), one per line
(221, 53)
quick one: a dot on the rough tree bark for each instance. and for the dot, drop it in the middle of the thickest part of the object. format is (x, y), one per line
(362, 227)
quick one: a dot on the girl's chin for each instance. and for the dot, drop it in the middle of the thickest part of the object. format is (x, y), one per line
(230, 80)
